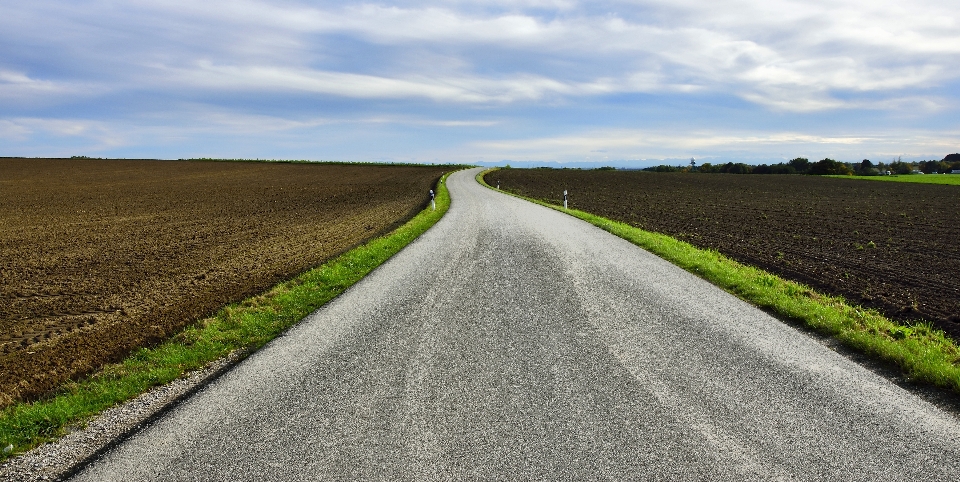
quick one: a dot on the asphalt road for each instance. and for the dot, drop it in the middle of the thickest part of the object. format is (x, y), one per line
(514, 342)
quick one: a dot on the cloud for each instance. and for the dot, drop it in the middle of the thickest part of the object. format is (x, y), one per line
(13, 130)
(605, 141)
(19, 88)
(638, 144)
(62, 127)
(198, 121)
(786, 55)
(467, 89)
(205, 119)
(407, 120)
(93, 135)
(766, 59)
(541, 68)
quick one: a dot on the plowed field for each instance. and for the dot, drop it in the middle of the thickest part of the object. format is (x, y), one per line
(894, 247)
(98, 257)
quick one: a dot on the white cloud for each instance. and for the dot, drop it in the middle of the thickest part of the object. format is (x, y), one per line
(196, 121)
(18, 87)
(643, 143)
(94, 134)
(638, 144)
(466, 89)
(63, 127)
(13, 130)
(457, 64)
(786, 54)
(206, 119)
(789, 55)
(408, 120)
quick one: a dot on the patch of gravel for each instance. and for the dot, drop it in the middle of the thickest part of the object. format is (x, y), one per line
(60, 459)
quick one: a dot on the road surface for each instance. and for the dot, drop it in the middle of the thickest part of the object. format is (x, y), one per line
(514, 342)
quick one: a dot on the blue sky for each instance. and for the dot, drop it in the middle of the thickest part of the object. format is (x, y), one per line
(461, 81)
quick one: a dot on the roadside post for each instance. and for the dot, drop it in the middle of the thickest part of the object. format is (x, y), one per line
(433, 200)
(564, 199)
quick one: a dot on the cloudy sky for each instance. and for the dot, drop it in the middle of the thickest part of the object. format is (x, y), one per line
(469, 81)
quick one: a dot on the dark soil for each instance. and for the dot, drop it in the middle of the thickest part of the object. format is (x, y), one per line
(894, 247)
(99, 257)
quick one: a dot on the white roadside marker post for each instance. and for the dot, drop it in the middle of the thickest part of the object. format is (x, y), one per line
(564, 199)
(498, 185)
(433, 200)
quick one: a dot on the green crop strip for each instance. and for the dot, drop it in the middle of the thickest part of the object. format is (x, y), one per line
(949, 179)
(245, 326)
(923, 354)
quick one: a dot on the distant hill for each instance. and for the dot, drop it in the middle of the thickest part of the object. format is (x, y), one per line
(952, 158)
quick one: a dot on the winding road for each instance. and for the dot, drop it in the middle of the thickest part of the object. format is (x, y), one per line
(513, 342)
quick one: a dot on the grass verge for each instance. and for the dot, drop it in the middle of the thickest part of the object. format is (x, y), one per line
(924, 355)
(949, 179)
(246, 325)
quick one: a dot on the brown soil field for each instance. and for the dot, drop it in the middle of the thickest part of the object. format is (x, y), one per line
(894, 247)
(99, 257)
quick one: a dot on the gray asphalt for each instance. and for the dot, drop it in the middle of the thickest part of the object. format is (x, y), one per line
(514, 342)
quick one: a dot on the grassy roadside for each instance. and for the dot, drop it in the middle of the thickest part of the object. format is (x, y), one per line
(923, 354)
(247, 326)
(949, 179)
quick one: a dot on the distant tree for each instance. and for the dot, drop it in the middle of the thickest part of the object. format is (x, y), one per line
(664, 168)
(829, 166)
(952, 158)
(900, 167)
(781, 168)
(738, 168)
(707, 167)
(865, 168)
(933, 167)
(800, 164)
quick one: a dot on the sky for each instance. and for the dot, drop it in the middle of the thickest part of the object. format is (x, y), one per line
(543, 81)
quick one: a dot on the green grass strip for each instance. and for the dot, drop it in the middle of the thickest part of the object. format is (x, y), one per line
(924, 355)
(247, 325)
(949, 179)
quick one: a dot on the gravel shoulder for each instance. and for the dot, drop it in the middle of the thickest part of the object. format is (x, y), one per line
(61, 458)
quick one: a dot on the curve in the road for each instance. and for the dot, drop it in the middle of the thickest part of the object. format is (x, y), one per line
(513, 342)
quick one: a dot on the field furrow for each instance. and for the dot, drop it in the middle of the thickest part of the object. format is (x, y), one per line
(100, 257)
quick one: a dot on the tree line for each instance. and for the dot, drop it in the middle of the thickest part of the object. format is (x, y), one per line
(802, 165)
